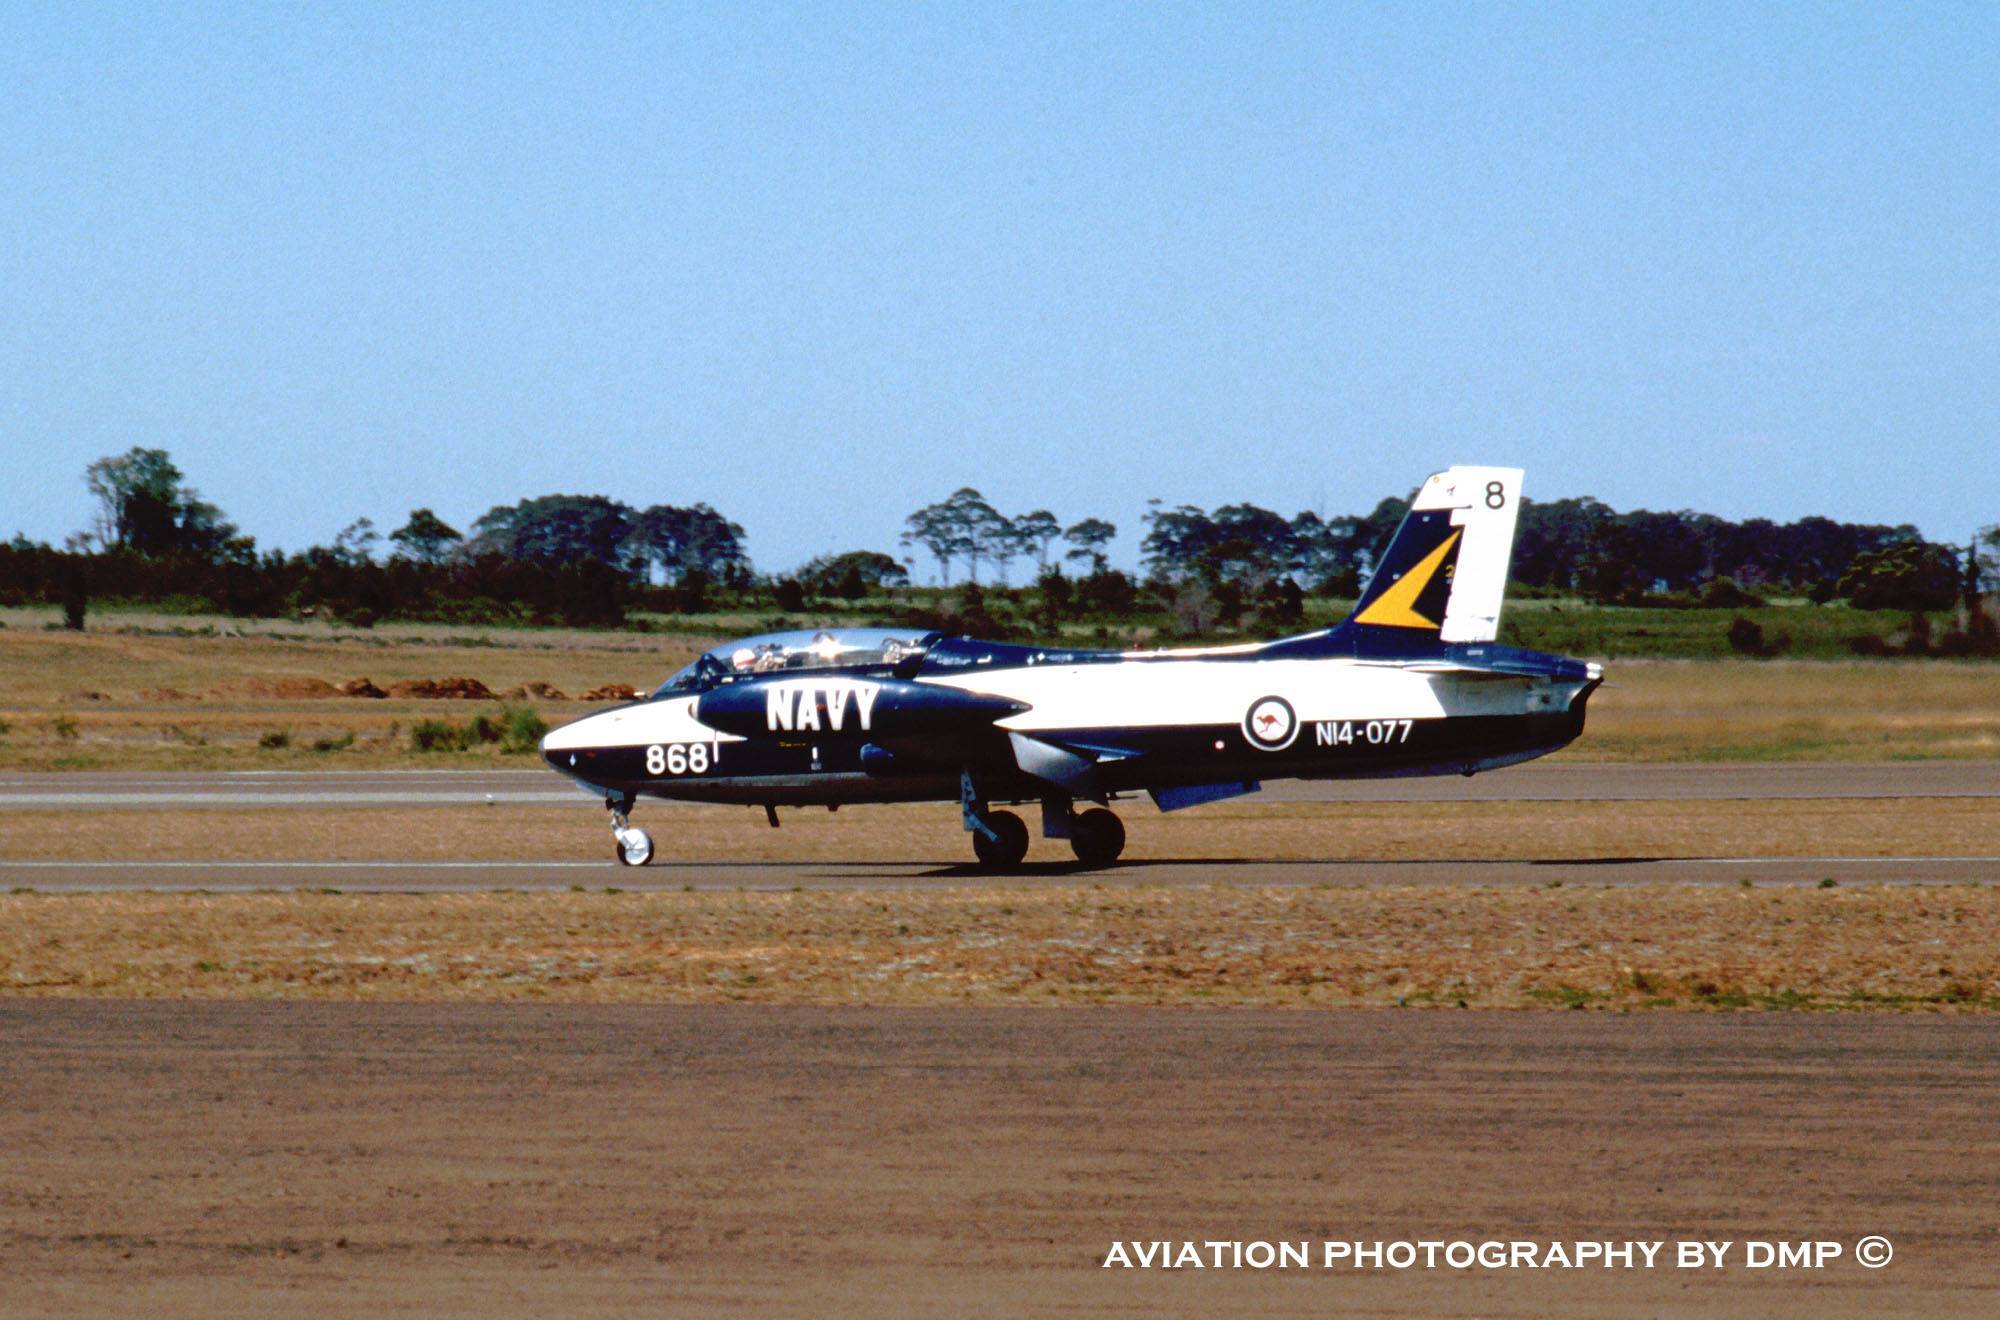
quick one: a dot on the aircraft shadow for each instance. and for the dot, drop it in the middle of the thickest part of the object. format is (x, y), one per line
(967, 869)
(890, 870)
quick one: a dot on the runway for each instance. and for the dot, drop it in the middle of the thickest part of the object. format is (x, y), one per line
(1543, 781)
(1693, 857)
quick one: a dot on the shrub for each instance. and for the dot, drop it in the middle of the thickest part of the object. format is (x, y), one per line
(1724, 594)
(524, 729)
(482, 729)
(275, 739)
(436, 736)
(64, 727)
(1746, 637)
(340, 744)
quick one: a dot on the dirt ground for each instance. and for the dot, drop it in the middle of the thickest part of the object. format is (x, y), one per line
(216, 1158)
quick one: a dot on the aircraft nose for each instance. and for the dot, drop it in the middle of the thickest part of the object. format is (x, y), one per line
(561, 745)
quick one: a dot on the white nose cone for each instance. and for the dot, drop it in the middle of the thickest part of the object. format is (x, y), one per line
(590, 731)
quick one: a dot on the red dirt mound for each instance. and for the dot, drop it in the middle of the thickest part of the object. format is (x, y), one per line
(360, 687)
(282, 689)
(535, 691)
(166, 694)
(85, 694)
(457, 688)
(611, 692)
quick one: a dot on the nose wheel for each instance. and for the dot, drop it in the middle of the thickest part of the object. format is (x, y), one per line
(634, 847)
(1003, 842)
(631, 847)
(999, 838)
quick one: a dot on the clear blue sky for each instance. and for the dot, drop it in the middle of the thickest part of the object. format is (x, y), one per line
(819, 265)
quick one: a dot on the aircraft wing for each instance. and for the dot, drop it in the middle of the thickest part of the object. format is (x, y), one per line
(1070, 767)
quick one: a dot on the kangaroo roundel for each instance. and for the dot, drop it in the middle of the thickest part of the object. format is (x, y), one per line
(1271, 723)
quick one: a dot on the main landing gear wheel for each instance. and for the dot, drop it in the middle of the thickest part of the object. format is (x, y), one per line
(1008, 845)
(1097, 837)
(634, 847)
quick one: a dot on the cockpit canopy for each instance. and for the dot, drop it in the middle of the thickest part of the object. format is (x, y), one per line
(792, 652)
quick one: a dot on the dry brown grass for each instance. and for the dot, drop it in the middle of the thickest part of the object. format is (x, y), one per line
(1332, 831)
(41, 666)
(154, 702)
(1794, 710)
(1663, 946)
(1652, 710)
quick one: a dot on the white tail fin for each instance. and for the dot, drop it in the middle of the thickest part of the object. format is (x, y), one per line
(1484, 501)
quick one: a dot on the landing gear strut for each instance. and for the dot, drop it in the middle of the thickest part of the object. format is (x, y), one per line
(999, 838)
(1094, 834)
(631, 847)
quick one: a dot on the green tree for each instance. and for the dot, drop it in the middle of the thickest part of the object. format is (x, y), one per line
(1088, 539)
(1983, 566)
(852, 575)
(685, 540)
(1909, 575)
(355, 545)
(1178, 542)
(426, 538)
(1035, 532)
(962, 526)
(558, 531)
(144, 507)
(1325, 554)
(1252, 546)
(984, 534)
(936, 530)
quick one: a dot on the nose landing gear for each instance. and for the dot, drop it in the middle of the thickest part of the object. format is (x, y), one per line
(631, 847)
(999, 838)
(1003, 842)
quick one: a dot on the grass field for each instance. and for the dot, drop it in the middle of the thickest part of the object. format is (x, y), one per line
(1631, 947)
(164, 692)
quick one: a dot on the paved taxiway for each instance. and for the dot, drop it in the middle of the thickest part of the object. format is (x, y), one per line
(1559, 781)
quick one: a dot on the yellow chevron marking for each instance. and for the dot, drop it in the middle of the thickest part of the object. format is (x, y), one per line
(1394, 607)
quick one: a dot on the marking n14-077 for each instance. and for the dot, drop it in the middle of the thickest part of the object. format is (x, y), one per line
(1376, 733)
(849, 715)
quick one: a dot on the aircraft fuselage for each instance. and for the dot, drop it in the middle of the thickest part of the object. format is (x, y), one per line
(1140, 722)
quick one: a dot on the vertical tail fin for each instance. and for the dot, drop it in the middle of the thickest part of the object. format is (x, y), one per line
(1445, 571)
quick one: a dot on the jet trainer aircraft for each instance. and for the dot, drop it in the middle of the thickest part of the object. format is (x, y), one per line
(1411, 683)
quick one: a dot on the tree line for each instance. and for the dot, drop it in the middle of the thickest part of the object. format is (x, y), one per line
(588, 559)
